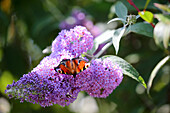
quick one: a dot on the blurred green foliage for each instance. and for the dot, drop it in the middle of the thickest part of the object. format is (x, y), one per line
(29, 26)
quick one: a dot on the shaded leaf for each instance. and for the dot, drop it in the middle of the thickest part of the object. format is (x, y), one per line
(5, 79)
(117, 19)
(162, 7)
(33, 49)
(103, 38)
(162, 34)
(11, 30)
(47, 50)
(146, 15)
(141, 28)
(128, 69)
(155, 70)
(163, 18)
(117, 35)
(121, 10)
(103, 49)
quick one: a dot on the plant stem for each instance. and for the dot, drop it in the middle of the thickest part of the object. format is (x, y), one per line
(131, 3)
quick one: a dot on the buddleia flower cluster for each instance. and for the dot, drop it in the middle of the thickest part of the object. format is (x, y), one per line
(44, 86)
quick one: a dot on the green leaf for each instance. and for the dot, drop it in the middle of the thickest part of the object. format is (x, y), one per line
(117, 35)
(5, 79)
(47, 50)
(163, 18)
(155, 70)
(1, 54)
(33, 49)
(162, 34)
(121, 10)
(106, 46)
(103, 38)
(141, 28)
(162, 7)
(117, 19)
(146, 15)
(128, 69)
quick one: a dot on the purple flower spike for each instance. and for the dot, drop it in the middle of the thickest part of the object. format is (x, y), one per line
(101, 78)
(74, 42)
(44, 86)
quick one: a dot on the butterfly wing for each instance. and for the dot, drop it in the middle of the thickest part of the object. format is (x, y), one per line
(62, 68)
(81, 65)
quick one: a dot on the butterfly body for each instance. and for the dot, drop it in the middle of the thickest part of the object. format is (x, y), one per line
(72, 67)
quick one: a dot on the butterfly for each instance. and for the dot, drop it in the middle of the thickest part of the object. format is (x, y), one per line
(72, 67)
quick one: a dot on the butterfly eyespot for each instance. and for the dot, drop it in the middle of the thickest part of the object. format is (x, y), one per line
(62, 63)
(59, 71)
(87, 65)
(56, 69)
